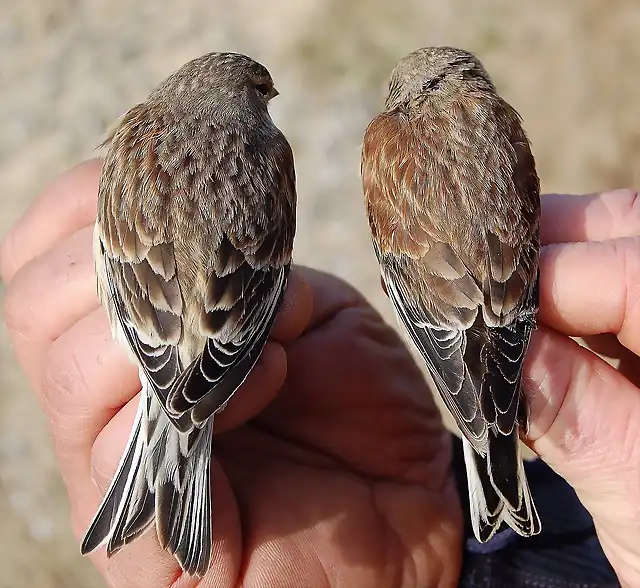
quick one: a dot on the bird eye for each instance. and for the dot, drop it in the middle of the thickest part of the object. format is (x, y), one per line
(263, 89)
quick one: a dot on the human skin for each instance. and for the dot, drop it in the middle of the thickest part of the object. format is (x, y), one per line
(331, 472)
(344, 480)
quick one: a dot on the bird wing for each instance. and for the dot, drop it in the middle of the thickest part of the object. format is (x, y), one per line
(193, 260)
(450, 241)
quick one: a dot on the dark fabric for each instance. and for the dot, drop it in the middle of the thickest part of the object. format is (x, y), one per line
(566, 554)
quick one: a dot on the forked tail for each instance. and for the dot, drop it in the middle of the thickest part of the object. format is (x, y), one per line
(498, 488)
(164, 475)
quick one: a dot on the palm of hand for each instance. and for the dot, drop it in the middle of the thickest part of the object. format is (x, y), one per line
(344, 480)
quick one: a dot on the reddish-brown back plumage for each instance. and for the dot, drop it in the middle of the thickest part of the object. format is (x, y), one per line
(456, 189)
(452, 198)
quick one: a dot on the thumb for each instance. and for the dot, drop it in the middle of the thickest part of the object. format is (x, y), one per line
(585, 423)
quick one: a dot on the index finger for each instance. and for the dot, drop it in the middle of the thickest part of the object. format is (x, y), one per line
(568, 218)
(66, 205)
(592, 288)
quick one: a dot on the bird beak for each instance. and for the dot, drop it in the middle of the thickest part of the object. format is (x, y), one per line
(273, 93)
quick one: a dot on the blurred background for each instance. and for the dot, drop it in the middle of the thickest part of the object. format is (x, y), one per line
(68, 68)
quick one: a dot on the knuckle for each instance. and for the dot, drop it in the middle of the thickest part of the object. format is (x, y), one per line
(628, 252)
(62, 386)
(18, 314)
(7, 256)
(631, 202)
(625, 205)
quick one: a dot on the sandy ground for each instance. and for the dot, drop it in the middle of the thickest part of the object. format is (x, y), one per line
(68, 68)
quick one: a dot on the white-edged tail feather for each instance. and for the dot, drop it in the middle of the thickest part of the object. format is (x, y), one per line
(164, 475)
(488, 505)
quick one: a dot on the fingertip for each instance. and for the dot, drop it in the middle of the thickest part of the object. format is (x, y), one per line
(567, 218)
(576, 278)
(67, 204)
(330, 296)
(80, 182)
(296, 309)
(259, 389)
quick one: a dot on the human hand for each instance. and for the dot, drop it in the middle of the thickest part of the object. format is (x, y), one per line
(342, 480)
(585, 415)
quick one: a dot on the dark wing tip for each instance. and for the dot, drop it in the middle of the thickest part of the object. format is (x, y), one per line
(209, 382)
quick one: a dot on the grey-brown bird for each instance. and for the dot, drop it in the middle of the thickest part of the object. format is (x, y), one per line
(193, 241)
(453, 202)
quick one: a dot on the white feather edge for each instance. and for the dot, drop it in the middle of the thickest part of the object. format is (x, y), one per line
(478, 503)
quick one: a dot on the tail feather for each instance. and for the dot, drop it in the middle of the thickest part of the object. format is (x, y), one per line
(498, 489)
(185, 527)
(99, 531)
(503, 459)
(164, 475)
(140, 519)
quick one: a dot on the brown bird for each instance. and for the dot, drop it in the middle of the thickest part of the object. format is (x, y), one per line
(453, 202)
(193, 241)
